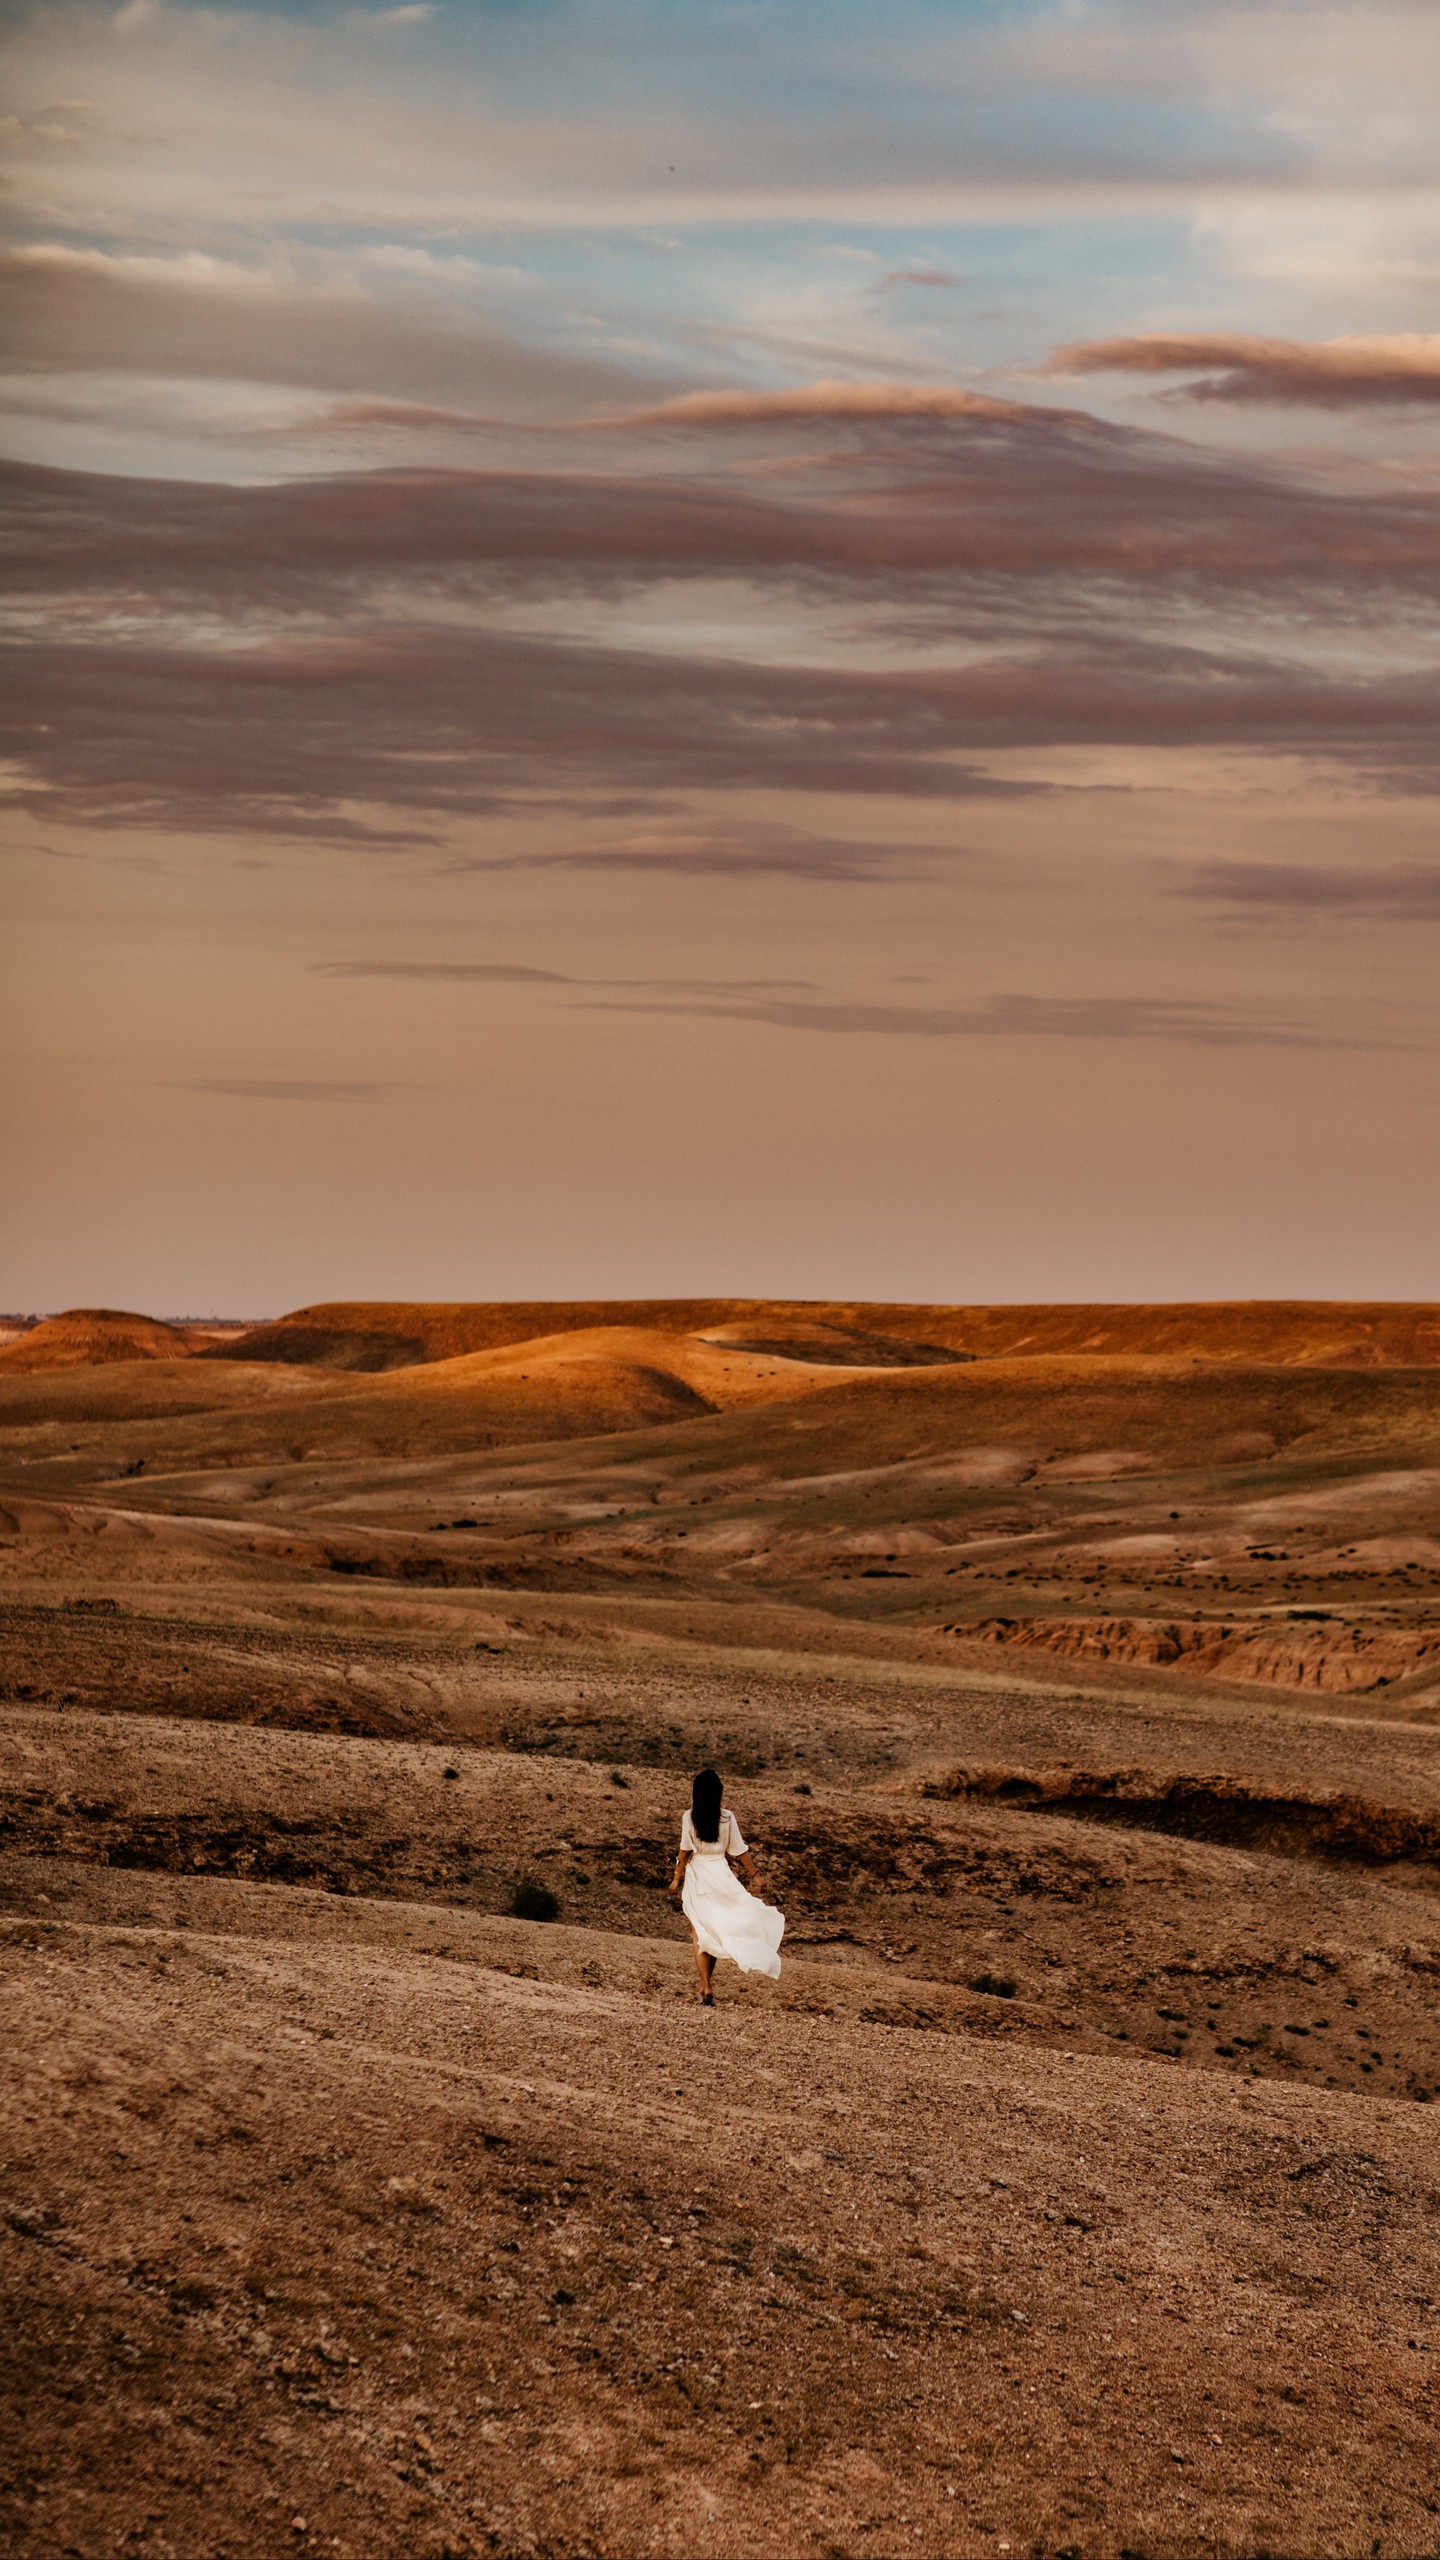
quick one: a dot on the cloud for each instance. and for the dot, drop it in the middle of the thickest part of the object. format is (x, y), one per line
(1193, 1022)
(1337, 373)
(694, 852)
(1388, 892)
(1027, 519)
(351, 417)
(195, 316)
(491, 973)
(65, 124)
(798, 1005)
(287, 1088)
(440, 722)
(458, 972)
(335, 659)
(699, 853)
(938, 278)
(427, 723)
(261, 118)
(820, 400)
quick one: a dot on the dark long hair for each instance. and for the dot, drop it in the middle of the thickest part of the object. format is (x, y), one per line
(705, 1798)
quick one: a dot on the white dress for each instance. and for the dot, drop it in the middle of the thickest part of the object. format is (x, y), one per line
(726, 1919)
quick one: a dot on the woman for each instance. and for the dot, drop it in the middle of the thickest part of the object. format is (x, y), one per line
(724, 1919)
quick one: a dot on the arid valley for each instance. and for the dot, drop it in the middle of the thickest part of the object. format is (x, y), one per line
(1075, 1674)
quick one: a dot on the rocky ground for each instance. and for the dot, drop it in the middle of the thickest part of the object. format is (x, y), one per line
(1074, 2192)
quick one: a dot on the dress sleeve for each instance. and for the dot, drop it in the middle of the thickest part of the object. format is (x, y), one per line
(734, 1843)
(687, 1834)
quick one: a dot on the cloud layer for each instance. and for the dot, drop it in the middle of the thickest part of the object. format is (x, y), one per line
(1060, 510)
(300, 657)
(429, 725)
(551, 586)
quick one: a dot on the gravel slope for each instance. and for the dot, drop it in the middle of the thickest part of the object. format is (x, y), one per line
(329, 2249)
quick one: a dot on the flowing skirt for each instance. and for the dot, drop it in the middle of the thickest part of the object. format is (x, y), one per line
(729, 1921)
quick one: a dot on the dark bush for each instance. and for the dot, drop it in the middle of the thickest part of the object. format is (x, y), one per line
(534, 1902)
(1001, 1986)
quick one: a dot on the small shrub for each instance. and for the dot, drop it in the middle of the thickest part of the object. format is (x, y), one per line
(534, 1902)
(1000, 1986)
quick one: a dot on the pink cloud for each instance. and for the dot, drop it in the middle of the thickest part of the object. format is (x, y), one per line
(820, 400)
(1335, 373)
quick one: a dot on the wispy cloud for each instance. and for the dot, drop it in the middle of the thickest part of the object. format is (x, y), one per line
(1337, 373)
(936, 279)
(365, 417)
(355, 683)
(798, 1005)
(1387, 892)
(431, 724)
(1194, 1023)
(437, 723)
(194, 315)
(475, 973)
(820, 400)
(739, 853)
(1038, 513)
(485, 973)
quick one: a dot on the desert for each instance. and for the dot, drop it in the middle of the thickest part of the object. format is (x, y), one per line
(374, 2181)
(720, 1376)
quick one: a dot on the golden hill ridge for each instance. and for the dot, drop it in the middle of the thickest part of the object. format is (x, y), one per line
(1317, 1332)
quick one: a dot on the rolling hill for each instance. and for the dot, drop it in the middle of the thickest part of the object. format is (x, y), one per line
(381, 1334)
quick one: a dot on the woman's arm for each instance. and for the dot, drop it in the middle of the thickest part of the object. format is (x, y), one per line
(682, 1861)
(747, 1867)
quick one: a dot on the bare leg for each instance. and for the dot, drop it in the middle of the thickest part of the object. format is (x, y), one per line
(705, 1968)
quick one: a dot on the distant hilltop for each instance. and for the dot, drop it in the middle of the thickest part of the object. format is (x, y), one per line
(375, 1334)
(89, 1337)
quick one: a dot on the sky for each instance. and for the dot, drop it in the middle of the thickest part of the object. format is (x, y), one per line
(720, 646)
